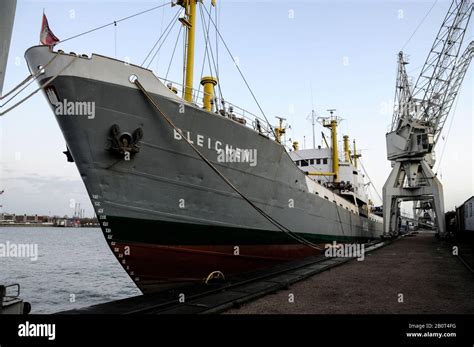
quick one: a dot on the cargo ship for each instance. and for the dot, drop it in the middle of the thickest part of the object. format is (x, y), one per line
(187, 186)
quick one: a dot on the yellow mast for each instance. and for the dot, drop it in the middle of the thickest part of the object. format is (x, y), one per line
(190, 23)
(335, 153)
(346, 148)
(332, 125)
(355, 156)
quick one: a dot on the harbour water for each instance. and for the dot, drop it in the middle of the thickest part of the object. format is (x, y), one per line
(74, 268)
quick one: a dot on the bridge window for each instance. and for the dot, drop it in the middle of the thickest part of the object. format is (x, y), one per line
(311, 162)
(304, 163)
(318, 161)
(325, 160)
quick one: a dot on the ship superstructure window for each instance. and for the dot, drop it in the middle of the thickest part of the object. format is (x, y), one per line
(318, 161)
(355, 172)
(304, 163)
(311, 162)
(325, 160)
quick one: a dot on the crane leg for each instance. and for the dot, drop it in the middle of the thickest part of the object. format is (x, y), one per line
(391, 210)
(438, 198)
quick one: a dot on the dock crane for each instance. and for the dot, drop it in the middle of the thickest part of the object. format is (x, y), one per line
(419, 116)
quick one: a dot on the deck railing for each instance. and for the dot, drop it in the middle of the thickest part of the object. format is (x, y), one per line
(225, 108)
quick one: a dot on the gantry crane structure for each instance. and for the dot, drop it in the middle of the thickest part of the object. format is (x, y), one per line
(419, 116)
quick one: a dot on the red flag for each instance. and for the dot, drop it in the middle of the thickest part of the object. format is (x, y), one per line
(47, 37)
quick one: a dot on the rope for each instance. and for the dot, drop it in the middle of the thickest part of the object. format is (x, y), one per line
(370, 181)
(334, 194)
(241, 74)
(338, 214)
(24, 81)
(39, 88)
(114, 22)
(115, 39)
(161, 45)
(30, 76)
(205, 28)
(327, 179)
(159, 38)
(211, 54)
(217, 37)
(19, 92)
(216, 66)
(258, 209)
(174, 50)
(419, 24)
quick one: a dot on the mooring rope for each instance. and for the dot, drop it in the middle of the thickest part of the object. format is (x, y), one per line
(224, 178)
(38, 89)
(30, 76)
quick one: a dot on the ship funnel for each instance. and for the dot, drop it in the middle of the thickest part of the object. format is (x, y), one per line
(295, 145)
(208, 82)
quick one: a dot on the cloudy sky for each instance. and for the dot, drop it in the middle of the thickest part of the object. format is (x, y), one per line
(295, 55)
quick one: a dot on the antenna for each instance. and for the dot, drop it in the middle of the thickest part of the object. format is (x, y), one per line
(313, 115)
(331, 111)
